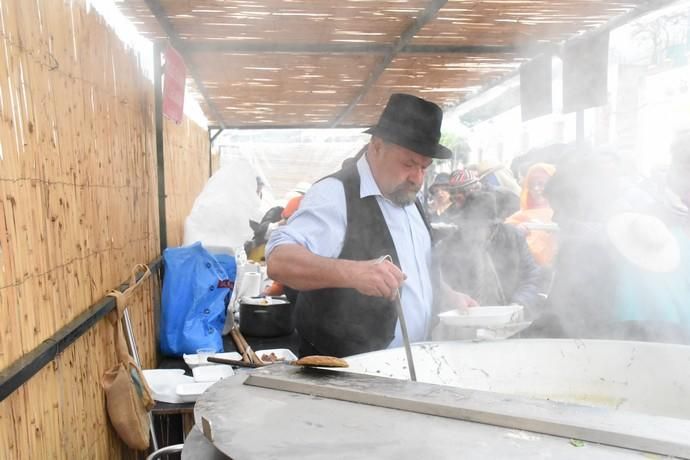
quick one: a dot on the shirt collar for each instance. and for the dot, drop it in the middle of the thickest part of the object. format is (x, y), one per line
(367, 184)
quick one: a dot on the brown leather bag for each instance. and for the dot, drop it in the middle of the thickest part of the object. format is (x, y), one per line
(128, 396)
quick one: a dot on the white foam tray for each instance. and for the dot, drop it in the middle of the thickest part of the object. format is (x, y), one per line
(483, 316)
(193, 360)
(164, 382)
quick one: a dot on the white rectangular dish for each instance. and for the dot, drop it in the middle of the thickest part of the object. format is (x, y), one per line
(543, 226)
(495, 316)
(283, 354)
(164, 382)
(193, 360)
(212, 373)
(189, 392)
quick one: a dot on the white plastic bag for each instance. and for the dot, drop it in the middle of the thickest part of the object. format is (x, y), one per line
(221, 213)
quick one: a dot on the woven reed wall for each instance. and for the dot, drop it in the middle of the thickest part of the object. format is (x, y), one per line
(215, 160)
(60, 413)
(186, 172)
(78, 208)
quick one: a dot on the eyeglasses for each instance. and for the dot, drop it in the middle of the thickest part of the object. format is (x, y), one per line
(437, 191)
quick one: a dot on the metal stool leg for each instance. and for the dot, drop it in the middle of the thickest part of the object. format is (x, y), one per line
(129, 333)
(165, 451)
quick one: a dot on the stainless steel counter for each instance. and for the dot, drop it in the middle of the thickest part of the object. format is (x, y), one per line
(249, 422)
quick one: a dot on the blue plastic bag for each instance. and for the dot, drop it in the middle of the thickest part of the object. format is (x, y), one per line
(196, 288)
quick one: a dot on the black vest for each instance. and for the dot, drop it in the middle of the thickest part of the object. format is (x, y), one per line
(340, 321)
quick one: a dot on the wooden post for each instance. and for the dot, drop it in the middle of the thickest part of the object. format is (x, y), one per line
(211, 138)
(160, 156)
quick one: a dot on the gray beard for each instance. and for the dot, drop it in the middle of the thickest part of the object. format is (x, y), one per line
(403, 196)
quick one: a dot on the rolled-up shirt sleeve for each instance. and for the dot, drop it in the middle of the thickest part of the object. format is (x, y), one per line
(319, 224)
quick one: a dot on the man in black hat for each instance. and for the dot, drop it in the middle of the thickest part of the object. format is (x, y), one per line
(333, 247)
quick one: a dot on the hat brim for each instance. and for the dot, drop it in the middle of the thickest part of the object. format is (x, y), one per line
(463, 187)
(431, 150)
(437, 185)
(663, 259)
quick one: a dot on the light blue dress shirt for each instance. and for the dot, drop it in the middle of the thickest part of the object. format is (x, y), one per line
(320, 223)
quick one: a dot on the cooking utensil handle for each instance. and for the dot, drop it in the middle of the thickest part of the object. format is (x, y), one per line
(232, 362)
(406, 338)
(403, 325)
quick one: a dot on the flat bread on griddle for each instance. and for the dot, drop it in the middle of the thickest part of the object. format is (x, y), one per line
(321, 361)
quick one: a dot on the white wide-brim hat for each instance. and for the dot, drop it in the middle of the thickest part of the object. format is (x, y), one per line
(302, 187)
(645, 241)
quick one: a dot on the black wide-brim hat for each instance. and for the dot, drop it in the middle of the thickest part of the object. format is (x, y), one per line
(413, 123)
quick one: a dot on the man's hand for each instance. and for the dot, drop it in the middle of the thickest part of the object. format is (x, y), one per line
(294, 266)
(460, 301)
(455, 299)
(377, 278)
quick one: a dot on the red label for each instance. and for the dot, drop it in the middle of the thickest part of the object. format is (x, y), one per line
(226, 284)
(173, 85)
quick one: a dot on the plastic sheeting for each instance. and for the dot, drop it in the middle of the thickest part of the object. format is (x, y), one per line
(220, 216)
(286, 159)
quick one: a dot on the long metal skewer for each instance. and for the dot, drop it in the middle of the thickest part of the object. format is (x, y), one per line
(406, 338)
(403, 325)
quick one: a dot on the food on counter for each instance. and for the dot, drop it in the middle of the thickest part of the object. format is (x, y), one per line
(318, 360)
(271, 358)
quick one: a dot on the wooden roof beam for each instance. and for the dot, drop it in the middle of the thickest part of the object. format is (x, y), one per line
(218, 46)
(344, 48)
(429, 13)
(162, 18)
(267, 126)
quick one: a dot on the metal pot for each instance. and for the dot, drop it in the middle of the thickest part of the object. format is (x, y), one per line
(266, 317)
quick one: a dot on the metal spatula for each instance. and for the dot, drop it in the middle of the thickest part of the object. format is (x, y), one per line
(403, 326)
(406, 338)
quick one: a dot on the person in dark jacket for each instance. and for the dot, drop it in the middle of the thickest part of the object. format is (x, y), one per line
(439, 198)
(582, 289)
(489, 260)
(461, 184)
(499, 180)
(255, 247)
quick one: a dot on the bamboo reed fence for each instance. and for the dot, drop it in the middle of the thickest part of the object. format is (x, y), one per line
(215, 160)
(78, 209)
(186, 160)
